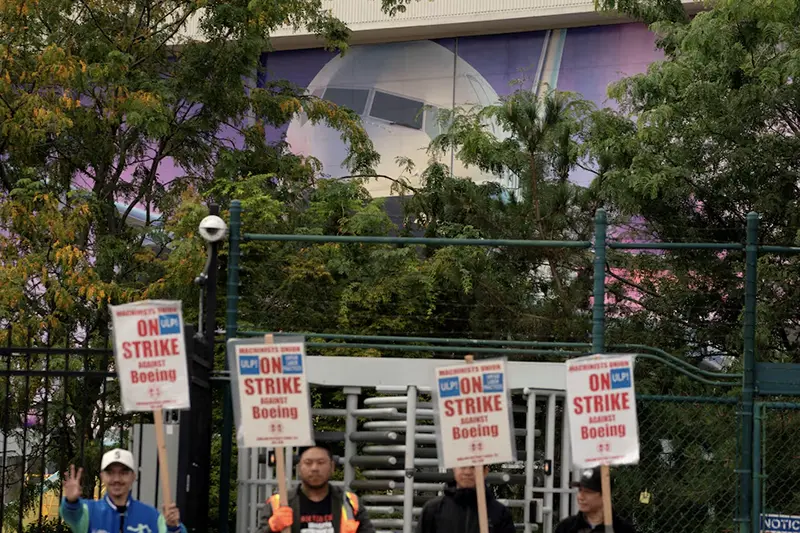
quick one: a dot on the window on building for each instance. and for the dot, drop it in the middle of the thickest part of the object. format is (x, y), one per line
(398, 110)
(355, 99)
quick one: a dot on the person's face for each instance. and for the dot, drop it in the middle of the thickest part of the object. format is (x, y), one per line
(118, 480)
(465, 476)
(315, 467)
(589, 501)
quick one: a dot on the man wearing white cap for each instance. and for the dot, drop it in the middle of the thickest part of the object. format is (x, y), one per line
(117, 511)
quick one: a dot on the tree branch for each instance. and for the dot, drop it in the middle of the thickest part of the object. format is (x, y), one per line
(97, 25)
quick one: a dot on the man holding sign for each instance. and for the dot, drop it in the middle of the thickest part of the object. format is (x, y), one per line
(317, 506)
(591, 518)
(117, 511)
(457, 510)
(150, 360)
(474, 429)
(604, 431)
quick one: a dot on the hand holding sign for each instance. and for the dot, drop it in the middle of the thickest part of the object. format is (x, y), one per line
(172, 516)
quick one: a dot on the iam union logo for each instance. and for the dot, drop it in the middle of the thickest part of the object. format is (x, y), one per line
(154, 392)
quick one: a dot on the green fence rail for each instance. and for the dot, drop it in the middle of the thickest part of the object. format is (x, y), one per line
(708, 451)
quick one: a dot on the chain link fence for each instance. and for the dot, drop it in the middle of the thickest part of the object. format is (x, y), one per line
(780, 459)
(686, 478)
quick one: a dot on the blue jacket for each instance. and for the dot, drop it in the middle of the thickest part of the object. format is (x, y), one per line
(101, 516)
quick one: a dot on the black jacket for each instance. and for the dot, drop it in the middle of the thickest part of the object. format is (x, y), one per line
(337, 497)
(578, 524)
(457, 512)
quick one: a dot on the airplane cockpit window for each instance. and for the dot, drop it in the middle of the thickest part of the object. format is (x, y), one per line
(432, 126)
(398, 110)
(355, 99)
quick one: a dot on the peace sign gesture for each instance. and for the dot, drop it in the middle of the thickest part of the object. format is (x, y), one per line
(72, 484)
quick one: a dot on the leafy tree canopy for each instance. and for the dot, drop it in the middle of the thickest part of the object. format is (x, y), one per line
(109, 99)
(705, 137)
(115, 127)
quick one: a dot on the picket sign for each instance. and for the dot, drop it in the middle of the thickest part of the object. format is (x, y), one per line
(604, 431)
(474, 425)
(150, 358)
(271, 397)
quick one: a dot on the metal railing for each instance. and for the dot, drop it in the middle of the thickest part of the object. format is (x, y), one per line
(741, 402)
(60, 407)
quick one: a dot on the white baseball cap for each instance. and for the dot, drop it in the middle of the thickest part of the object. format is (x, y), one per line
(117, 455)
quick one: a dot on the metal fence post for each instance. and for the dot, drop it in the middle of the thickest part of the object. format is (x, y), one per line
(411, 448)
(599, 292)
(549, 455)
(530, 457)
(746, 504)
(231, 317)
(350, 427)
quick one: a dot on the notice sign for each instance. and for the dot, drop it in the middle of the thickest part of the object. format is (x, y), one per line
(150, 354)
(775, 523)
(602, 411)
(473, 414)
(272, 401)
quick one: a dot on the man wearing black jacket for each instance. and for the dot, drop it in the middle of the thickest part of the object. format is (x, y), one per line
(457, 510)
(590, 519)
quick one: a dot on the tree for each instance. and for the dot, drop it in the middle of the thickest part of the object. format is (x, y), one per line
(106, 109)
(435, 291)
(714, 138)
(539, 154)
(99, 96)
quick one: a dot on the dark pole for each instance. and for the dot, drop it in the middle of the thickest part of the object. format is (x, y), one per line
(231, 318)
(194, 458)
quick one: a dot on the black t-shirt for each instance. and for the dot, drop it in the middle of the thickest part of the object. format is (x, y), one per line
(579, 524)
(316, 517)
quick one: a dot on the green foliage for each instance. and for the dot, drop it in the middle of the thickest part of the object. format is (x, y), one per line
(707, 136)
(48, 525)
(99, 101)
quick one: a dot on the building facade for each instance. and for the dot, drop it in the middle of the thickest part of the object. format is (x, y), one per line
(441, 54)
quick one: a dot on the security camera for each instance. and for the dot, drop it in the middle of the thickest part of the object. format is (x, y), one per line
(213, 229)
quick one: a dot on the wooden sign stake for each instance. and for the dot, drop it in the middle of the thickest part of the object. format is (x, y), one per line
(480, 484)
(608, 518)
(161, 443)
(280, 458)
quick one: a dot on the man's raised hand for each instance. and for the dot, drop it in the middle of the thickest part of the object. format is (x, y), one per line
(72, 484)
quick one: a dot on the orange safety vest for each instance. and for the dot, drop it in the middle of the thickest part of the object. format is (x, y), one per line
(348, 521)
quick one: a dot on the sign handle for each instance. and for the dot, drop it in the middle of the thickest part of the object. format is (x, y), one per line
(480, 489)
(161, 443)
(280, 473)
(280, 457)
(608, 518)
(480, 484)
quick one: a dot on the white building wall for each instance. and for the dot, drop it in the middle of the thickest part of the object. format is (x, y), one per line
(432, 19)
